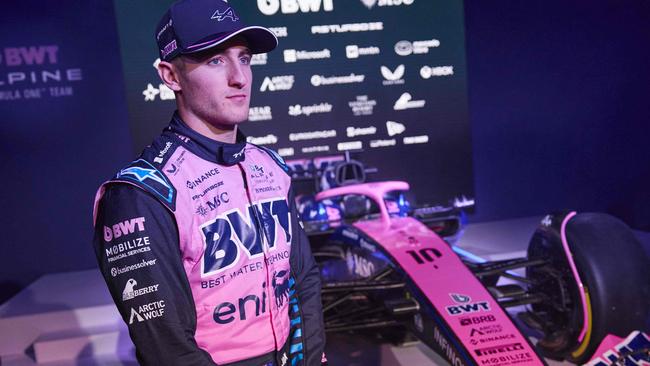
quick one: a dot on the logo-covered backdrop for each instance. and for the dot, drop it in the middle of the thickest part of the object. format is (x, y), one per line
(384, 76)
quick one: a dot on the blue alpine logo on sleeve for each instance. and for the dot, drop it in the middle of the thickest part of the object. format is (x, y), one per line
(149, 178)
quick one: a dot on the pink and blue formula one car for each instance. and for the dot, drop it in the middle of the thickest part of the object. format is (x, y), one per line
(389, 268)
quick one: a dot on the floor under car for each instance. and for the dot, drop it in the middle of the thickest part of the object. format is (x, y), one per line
(69, 318)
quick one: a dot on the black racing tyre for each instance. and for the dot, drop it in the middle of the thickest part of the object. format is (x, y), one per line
(615, 271)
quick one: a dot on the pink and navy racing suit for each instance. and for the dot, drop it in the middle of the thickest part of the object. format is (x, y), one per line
(204, 255)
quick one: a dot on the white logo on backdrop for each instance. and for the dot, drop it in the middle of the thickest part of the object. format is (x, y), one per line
(362, 106)
(260, 114)
(298, 136)
(271, 7)
(299, 110)
(291, 55)
(276, 83)
(394, 128)
(263, 140)
(406, 102)
(345, 28)
(318, 80)
(406, 48)
(371, 3)
(354, 51)
(427, 71)
(393, 77)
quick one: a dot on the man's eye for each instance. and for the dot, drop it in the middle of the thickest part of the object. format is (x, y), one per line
(245, 60)
(216, 61)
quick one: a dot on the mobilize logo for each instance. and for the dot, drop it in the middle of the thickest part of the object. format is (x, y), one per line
(393, 77)
(233, 233)
(406, 102)
(346, 28)
(476, 320)
(428, 72)
(130, 292)
(371, 3)
(362, 106)
(191, 184)
(354, 51)
(277, 83)
(299, 110)
(506, 348)
(320, 80)
(271, 7)
(147, 312)
(260, 114)
(123, 228)
(269, 139)
(406, 48)
(292, 55)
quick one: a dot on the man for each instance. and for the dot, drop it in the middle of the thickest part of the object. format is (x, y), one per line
(199, 240)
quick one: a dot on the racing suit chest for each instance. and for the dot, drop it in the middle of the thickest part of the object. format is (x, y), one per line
(234, 239)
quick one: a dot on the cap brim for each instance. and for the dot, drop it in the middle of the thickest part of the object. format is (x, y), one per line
(260, 40)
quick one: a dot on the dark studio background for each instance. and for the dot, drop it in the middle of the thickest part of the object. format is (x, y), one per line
(559, 103)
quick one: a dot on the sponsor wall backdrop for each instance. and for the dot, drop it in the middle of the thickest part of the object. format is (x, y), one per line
(64, 130)
(558, 95)
(347, 75)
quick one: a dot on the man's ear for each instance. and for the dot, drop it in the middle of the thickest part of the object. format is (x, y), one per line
(169, 74)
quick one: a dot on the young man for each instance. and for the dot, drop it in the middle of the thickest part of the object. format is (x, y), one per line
(199, 239)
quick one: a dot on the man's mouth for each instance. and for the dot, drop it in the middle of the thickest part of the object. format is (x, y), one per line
(237, 97)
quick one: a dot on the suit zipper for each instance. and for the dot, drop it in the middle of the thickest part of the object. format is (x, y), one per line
(260, 228)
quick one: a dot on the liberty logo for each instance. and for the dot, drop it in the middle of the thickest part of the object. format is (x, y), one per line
(280, 288)
(228, 13)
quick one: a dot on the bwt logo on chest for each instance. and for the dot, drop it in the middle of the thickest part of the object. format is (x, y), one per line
(232, 233)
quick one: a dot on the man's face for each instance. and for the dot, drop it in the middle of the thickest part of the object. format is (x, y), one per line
(216, 84)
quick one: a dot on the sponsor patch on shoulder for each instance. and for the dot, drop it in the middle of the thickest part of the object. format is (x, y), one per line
(146, 176)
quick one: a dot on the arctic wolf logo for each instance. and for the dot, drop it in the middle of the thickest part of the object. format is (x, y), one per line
(280, 287)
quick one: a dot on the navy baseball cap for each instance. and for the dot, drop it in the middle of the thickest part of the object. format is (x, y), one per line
(195, 25)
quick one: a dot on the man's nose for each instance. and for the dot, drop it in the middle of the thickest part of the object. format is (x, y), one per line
(237, 76)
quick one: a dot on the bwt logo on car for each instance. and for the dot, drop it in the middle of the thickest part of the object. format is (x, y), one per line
(271, 7)
(123, 228)
(465, 305)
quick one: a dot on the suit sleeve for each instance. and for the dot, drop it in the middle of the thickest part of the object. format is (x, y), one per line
(308, 288)
(136, 244)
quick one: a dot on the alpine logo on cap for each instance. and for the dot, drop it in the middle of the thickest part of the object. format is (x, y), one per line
(228, 13)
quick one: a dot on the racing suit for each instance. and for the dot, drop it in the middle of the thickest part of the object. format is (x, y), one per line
(201, 248)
